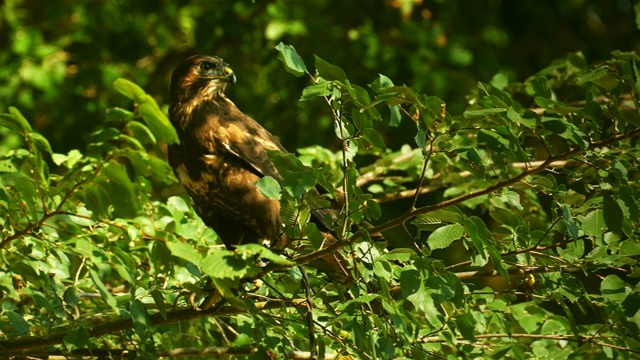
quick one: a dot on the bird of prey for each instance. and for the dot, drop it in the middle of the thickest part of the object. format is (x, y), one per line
(221, 155)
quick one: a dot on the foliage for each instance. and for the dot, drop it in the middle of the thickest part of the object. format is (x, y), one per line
(60, 57)
(517, 235)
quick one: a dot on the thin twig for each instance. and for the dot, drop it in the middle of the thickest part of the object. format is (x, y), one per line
(411, 213)
(573, 338)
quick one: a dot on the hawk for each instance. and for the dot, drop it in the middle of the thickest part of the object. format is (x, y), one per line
(221, 155)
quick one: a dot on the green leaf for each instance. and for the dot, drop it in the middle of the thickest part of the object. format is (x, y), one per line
(269, 187)
(328, 71)
(628, 203)
(140, 319)
(382, 82)
(121, 192)
(157, 121)
(469, 113)
(68, 160)
(493, 140)
(20, 326)
(266, 254)
(514, 116)
(472, 161)
(129, 89)
(77, 339)
(374, 138)
(15, 121)
(451, 215)
(542, 87)
(614, 289)
(465, 323)
(227, 265)
(444, 236)
(149, 110)
(443, 287)
(570, 287)
(223, 265)
(555, 107)
(613, 215)
(420, 138)
(360, 97)
(592, 224)
(484, 241)
(373, 210)
(71, 296)
(102, 289)
(394, 115)
(478, 233)
(410, 281)
(600, 76)
(158, 299)
(20, 120)
(184, 251)
(506, 217)
(242, 340)
(141, 132)
(313, 91)
(572, 228)
(293, 63)
(40, 142)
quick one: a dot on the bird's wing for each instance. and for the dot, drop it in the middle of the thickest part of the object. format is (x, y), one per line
(249, 141)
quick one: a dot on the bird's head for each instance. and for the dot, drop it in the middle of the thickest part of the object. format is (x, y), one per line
(200, 77)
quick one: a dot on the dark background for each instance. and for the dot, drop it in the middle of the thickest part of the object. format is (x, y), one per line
(60, 57)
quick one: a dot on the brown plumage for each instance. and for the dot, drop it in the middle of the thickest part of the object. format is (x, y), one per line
(222, 153)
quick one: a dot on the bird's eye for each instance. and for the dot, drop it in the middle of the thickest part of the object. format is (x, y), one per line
(206, 66)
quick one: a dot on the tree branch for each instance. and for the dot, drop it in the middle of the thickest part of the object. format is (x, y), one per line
(8, 347)
(411, 213)
(574, 338)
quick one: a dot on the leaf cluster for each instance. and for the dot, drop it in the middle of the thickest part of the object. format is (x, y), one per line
(510, 229)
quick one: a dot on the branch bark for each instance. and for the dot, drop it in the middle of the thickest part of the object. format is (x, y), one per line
(9, 347)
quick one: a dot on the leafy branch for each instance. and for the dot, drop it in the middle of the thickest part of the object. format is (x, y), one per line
(413, 212)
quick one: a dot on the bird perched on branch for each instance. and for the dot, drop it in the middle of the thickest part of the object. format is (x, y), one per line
(221, 155)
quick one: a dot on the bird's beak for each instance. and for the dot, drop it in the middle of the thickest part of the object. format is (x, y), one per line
(229, 75)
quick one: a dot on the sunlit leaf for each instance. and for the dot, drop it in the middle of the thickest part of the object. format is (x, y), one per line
(184, 251)
(19, 120)
(269, 187)
(443, 236)
(157, 121)
(313, 91)
(593, 223)
(292, 61)
(614, 289)
(129, 89)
